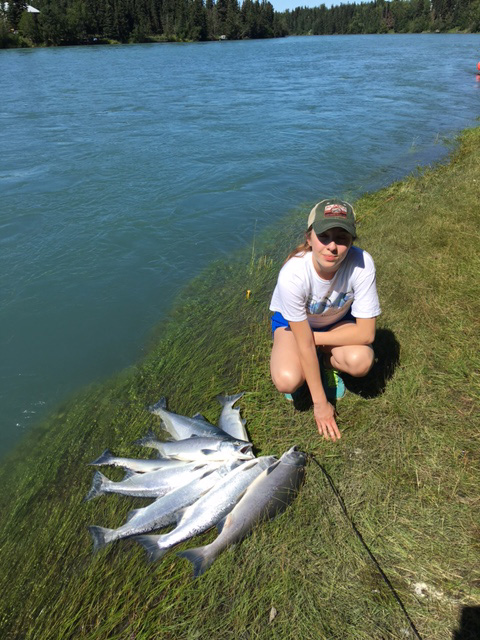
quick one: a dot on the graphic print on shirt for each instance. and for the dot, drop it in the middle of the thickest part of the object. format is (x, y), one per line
(326, 306)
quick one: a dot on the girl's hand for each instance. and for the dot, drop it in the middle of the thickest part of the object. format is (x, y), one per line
(325, 418)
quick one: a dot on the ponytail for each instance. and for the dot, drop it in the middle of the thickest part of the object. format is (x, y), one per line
(301, 249)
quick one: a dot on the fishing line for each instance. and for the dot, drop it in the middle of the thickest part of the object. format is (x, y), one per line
(359, 536)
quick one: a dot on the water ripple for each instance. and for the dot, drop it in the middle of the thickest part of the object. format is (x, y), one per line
(125, 170)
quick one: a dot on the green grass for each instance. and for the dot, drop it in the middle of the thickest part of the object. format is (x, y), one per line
(407, 465)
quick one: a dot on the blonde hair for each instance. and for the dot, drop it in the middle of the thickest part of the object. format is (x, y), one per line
(303, 248)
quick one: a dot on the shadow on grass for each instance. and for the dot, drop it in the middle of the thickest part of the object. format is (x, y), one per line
(387, 356)
(302, 399)
(469, 624)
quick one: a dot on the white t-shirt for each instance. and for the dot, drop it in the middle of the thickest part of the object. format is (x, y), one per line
(301, 294)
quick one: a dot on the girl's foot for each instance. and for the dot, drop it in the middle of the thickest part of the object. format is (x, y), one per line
(332, 383)
(299, 395)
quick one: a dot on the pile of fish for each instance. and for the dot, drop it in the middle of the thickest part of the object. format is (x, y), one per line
(204, 476)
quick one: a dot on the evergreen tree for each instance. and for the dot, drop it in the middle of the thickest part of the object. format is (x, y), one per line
(76, 19)
(209, 11)
(5, 35)
(108, 26)
(14, 13)
(121, 20)
(181, 29)
(221, 10)
(168, 17)
(28, 27)
(247, 19)
(52, 24)
(155, 13)
(199, 29)
(79, 21)
(232, 20)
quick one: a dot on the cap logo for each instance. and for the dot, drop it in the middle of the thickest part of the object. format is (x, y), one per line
(335, 210)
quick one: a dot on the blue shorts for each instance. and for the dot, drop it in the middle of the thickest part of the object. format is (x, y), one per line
(279, 321)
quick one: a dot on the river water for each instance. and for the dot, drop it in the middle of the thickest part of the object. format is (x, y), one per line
(124, 170)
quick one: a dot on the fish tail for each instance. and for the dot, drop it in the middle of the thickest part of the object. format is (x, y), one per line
(223, 400)
(104, 458)
(161, 404)
(200, 558)
(148, 440)
(149, 543)
(99, 483)
(100, 537)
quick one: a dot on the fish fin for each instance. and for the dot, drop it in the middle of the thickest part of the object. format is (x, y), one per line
(221, 523)
(236, 397)
(248, 464)
(179, 514)
(149, 543)
(207, 452)
(103, 458)
(205, 491)
(194, 435)
(223, 400)
(131, 514)
(129, 474)
(161, 404)
(208, 470)
(272, 467)
(147, 439)
(100, 537)
(199, 558)
(98, 486)
(198, 416)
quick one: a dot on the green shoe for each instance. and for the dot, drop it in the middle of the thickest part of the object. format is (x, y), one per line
(332, 383)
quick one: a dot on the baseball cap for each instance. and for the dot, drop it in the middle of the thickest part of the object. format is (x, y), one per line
(332, 213)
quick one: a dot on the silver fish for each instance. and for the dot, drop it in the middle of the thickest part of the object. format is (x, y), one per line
(149, 485)
(199, 418)
(181, 427)
(201, 449)
(162, 512)
(267, 496)
(133, 464)
(209, 509)
(230, 420)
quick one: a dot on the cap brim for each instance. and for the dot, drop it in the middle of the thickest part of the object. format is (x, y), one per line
(331, 224)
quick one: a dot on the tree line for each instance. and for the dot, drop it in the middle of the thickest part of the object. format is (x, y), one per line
(68, 22)
(380, 16)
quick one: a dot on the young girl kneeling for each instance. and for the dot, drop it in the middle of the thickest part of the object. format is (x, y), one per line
(326, 300)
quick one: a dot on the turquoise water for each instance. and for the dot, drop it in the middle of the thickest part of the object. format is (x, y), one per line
(124, 170)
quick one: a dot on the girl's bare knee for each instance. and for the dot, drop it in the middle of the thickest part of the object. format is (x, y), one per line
(358, 362)
(286, 381)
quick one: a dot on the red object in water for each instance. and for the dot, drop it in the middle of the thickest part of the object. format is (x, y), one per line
(478, 66)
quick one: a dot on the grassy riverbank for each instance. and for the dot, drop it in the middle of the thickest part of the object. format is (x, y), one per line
(407, 465)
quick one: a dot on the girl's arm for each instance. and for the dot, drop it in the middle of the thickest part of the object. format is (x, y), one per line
(362, 331)
(322, 410)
